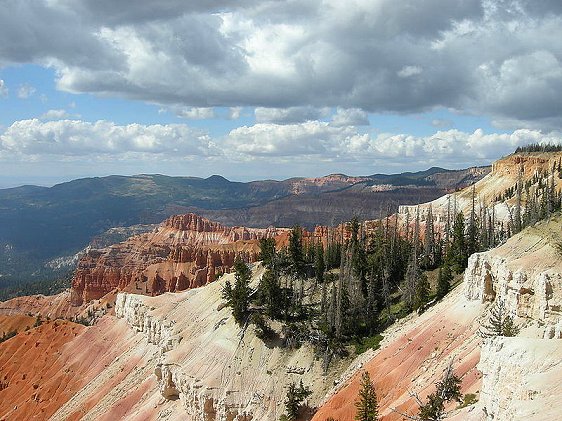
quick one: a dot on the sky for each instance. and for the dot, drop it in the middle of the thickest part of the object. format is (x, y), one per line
(270, 89)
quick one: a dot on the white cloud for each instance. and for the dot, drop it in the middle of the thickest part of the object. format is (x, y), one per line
(350, 117)
(308, 138)
(312, 147)
(323, 141)
(73, 138)
(25, 91)
(3, 89)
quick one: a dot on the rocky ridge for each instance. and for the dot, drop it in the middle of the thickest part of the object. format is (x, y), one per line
(504, 175)
(521, 375)
(185, 251)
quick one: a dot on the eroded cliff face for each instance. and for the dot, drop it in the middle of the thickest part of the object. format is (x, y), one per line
(211, 367)
(185, 251)
(525, 274)
(522, 375)
(522, 379)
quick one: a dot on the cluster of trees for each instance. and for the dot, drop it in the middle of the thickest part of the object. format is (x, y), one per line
(538, 147)
(350, 288)
(381, 276)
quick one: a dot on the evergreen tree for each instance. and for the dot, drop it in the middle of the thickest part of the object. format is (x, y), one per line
(422, 291)
(319, 265)
(240, 294)
(366, 403)
(447, 389)
(457, 256)
(444, 279)
(517, 222)
(294, 400)
(429, 242)
(267, 250)
(472, 232)
(271, 294)
(296, 252)
(500, 323)
(411, 282)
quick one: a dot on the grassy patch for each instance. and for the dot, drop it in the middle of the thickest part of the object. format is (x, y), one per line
(371, 342)
(469, 399)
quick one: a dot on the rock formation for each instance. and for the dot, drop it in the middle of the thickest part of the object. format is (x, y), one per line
(185, 251)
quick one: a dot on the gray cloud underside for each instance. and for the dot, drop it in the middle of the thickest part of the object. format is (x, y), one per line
(498, 58)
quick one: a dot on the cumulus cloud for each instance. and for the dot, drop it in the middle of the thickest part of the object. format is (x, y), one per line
(289, 115)
(74, 138)
(350, 117)
(316, 145)
(375, 55)
(25, 91)
(323, 141)
(308, 138)
(3, 89)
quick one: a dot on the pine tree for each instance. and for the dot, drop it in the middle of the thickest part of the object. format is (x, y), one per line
(366, 403)
(447, 389)
(240, 294)
(444, 279)
(296, 252)
(429, 241)
(500, 323)
(294, 400)
(319, 265)
(472, 234)
(267, 251)
(457, 255)
(422, 291)
(411, 282)
(271, 294)
(517, 222)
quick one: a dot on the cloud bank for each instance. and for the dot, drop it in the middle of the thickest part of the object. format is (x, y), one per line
(316, 143)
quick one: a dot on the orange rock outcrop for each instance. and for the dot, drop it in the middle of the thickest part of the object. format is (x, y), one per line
(185, 251)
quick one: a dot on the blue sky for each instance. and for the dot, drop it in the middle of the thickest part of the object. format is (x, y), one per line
(272, 89)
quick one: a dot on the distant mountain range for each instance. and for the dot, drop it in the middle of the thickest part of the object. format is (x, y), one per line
(39, 224)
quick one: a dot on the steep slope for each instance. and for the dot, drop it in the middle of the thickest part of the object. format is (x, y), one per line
(521, 376)
(175, 356)
(413, 355)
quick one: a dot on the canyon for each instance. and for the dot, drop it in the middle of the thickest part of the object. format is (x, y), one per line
(163, 345)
